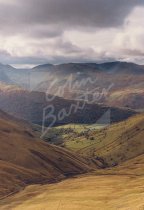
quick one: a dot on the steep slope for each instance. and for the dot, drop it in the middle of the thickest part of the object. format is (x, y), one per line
(122, 141)
(25, 160)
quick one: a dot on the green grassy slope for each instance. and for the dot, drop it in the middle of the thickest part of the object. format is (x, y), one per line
(111, 145)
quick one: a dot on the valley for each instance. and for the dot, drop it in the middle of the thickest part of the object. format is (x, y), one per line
(71, 105)
(92, 158)
(112, 144)
(38, 175)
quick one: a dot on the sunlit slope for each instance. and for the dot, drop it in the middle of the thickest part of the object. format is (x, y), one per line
(105, 192)
(111, 189)
(129, 97)
(24, 159)
(113, 145)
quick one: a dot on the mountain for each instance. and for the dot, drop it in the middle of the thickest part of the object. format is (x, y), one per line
(114, 83)
(34, 107)
(122, 67)
(116, 66)
(24, 159)
(121, 81)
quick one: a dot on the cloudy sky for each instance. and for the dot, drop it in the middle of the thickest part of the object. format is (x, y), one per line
(57, 31)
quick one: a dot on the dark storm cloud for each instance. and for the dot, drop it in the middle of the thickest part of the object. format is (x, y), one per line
(98, 13)
(51, 17)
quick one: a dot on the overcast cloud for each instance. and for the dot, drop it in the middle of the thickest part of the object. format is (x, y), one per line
(57, 31)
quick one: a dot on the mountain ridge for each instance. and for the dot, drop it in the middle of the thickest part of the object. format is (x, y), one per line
(122, 81)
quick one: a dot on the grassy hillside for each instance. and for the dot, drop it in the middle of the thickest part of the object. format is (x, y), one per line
(119, 188)
(98, 193)
(111, 145)
(119, 142)
(24, 159)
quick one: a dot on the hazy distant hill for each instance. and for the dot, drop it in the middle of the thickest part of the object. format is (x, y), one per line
(3, 74)
(12, 76)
